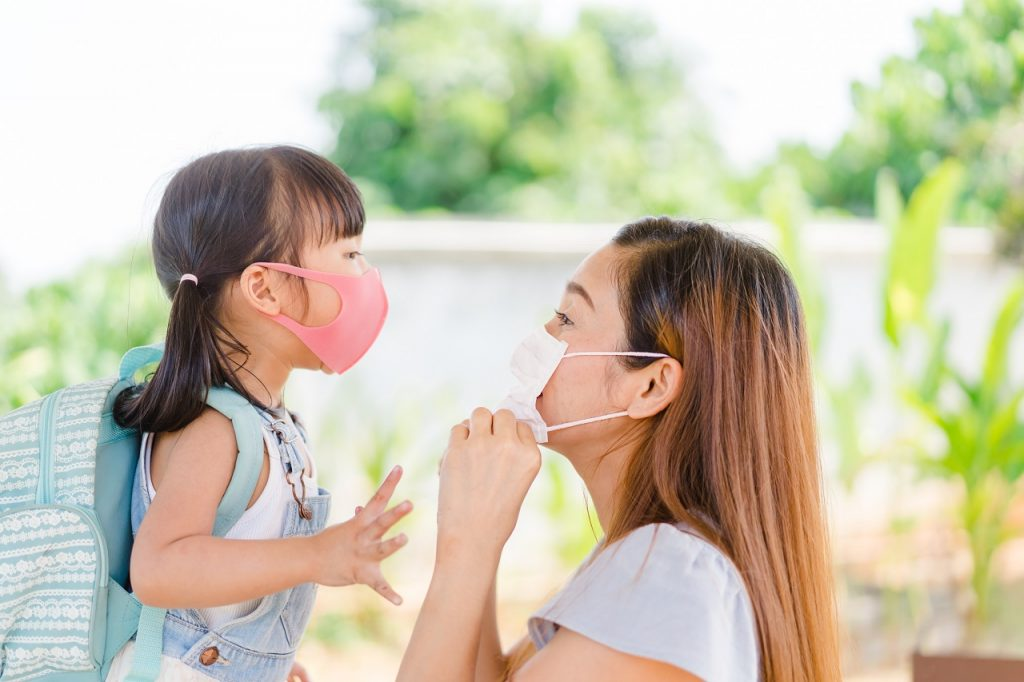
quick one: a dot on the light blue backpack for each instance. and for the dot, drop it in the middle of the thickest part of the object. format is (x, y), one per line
(66, 477)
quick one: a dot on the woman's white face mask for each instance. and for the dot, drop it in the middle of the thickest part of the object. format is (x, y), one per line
(533, 363)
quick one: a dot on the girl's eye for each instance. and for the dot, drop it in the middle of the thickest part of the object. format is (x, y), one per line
(563, 319)
(351, 255)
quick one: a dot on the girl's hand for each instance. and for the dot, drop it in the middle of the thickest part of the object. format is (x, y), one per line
(351, 552)
(489, 465)
(298, 672)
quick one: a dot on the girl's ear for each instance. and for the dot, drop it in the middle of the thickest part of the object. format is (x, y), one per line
(261, 289)
(658, 385)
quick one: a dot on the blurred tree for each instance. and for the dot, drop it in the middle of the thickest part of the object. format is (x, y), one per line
(471, 107)
(76, 329)
(960, 95)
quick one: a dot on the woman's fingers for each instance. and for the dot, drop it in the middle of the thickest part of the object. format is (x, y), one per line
(389, 518)
(504, 423)
(383, 495)
(525, 433)
(480, 421)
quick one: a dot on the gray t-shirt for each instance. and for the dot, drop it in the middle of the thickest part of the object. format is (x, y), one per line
(664, 593)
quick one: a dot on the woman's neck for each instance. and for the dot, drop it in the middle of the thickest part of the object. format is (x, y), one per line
(601, 470)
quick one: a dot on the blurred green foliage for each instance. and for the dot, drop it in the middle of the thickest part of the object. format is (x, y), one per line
(77, 328)
(473, 108)
(960, 95)
(976, 412)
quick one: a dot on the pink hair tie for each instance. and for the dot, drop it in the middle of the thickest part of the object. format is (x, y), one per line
(191, 278)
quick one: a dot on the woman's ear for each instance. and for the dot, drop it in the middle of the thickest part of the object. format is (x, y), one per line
(260, 288)
(658, 385)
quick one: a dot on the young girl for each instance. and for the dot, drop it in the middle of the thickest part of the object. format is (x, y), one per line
(259, 251)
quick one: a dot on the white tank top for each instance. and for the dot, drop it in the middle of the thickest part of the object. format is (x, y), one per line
(264, 520)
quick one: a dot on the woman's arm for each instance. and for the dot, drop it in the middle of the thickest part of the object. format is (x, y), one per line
(490, 661)
(485, 474)
(447, 636)
(177, 563)
(571, 656)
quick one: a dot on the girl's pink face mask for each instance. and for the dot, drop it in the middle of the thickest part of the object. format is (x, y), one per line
(343, 341)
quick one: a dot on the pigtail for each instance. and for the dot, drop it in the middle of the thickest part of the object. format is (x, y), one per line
(192, 363)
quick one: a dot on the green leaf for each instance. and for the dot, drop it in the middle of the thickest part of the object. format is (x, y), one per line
(888, 200)
(934, 370)
(1010, 315)
(912, 253)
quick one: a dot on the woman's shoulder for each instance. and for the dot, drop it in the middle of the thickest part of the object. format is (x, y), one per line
(661, 591)
(658, 563)
(670, 556)
(677, 545)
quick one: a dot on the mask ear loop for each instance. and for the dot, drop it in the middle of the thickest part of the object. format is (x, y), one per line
(635, 353)
(580, 422)
(614, 415)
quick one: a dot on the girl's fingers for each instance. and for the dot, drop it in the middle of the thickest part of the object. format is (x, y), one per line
(298, 673)
(381, 587)
(389, 547)
(383, 495)
(388, 519)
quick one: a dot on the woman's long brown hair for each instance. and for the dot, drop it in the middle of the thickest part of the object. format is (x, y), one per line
(736, 454)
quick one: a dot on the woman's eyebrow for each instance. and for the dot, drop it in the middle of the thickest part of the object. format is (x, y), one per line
(575, 288)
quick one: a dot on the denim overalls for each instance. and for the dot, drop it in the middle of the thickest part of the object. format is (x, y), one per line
(262, 644)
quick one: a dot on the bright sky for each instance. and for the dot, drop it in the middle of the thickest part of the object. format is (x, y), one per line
(100, 101)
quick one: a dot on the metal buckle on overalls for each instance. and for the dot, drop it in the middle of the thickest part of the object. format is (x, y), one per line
(286, 434)
(284, 430)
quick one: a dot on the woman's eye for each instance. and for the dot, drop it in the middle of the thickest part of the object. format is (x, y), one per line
(563, 319)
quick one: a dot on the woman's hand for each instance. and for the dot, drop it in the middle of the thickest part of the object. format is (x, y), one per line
(351, 552)
(486, 471)
(489, 465)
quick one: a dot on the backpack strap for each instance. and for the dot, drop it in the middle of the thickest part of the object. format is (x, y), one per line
(149, 645)
(137, 357)
(248, 464)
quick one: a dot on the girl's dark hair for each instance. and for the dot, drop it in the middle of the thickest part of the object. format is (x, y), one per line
(219, 214)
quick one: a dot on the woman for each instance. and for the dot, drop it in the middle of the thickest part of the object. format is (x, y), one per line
(697, 442)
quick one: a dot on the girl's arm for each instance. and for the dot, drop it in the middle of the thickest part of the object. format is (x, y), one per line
(177, 563)
(485, 474)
